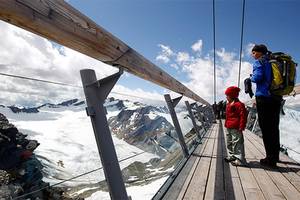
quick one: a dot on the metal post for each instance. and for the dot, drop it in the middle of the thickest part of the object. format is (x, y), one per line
(96, 92)
(206, 114)
(200, 116)
(209, 114)
(193, 119)
(255, 123)
(249, 117)
(171, 105)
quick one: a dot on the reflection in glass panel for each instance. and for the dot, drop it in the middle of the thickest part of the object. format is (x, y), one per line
(143, 134)
(142, 130)
(152, 150)
(289, 129)
(54, 150)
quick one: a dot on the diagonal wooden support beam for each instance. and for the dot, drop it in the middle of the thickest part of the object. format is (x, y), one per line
(58, 21)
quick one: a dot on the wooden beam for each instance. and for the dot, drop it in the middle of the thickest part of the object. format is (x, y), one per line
(56, 20)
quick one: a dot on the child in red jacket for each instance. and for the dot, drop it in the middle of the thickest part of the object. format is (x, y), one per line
(235, 122)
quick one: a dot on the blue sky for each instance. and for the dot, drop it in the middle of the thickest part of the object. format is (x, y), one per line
(176, 35)
(144, 25)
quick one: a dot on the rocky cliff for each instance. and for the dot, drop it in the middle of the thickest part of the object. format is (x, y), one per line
(21, 172)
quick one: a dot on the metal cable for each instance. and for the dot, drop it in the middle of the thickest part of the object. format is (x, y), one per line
(38, 80)
(69, 85)
(241, 47)
(24, 195)
(214, 43)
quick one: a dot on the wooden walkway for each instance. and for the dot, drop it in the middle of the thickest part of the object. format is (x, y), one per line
(207, 176)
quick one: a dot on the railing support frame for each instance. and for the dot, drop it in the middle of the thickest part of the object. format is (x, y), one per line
(189, 107)
(200, 110)
(96, 92)
(172, 103)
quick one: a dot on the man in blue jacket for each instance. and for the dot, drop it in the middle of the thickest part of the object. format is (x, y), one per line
(268, 106)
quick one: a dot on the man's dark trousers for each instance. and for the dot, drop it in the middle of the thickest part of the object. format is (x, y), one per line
(268, 110)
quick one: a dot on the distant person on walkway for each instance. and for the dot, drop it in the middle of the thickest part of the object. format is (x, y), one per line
(218, 111)
(268, 106)
(224, 109)
(235, 122)
(220, 108)
(215, 109)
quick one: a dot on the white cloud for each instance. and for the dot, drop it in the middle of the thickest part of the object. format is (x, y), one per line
(200, 72)
(197, 47)
(226, 57)
(175, 66)
(28, 55)
(248, 49)
(138, 95)
(165, 53)
(183, 57)
(166, 50)
(163, 58)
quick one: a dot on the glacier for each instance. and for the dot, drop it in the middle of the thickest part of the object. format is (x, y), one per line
(68, 147)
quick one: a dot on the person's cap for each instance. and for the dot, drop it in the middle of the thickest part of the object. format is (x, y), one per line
(260, 48)
(232, 92)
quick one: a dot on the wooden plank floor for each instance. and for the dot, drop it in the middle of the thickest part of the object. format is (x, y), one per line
(207, 176)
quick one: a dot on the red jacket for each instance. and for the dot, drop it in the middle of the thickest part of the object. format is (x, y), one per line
(236, 115)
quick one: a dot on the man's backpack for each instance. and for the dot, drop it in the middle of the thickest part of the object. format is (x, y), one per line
(283, 73)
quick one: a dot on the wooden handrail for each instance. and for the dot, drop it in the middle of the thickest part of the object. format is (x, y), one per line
(58, 21)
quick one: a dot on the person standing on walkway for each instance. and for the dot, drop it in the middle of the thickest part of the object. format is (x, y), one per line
(268, 106)
(235, 122)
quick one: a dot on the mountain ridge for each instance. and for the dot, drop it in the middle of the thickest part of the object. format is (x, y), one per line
(58, 128)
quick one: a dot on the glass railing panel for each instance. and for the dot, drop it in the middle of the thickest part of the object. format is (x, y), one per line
(289, 130)
(186, 124)
(145, 141)
(252, 121)
(142, 131)
(55, 149)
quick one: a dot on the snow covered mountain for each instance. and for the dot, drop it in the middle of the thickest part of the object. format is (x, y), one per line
(68, 148)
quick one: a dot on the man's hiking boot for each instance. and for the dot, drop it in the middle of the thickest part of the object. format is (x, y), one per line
(268, 162)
